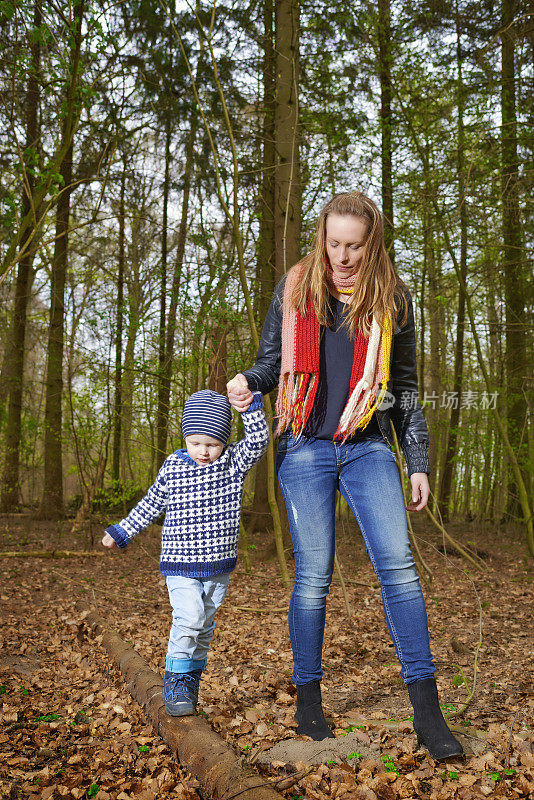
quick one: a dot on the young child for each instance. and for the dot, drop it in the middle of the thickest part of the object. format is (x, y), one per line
(200, 490)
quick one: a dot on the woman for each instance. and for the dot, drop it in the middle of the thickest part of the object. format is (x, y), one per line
(339, 341)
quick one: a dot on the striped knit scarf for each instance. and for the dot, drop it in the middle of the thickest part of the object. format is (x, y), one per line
(299, 373)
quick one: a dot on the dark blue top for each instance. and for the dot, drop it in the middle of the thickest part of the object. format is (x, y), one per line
(336, 354)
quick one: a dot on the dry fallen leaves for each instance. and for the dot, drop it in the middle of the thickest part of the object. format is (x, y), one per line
(71, 729)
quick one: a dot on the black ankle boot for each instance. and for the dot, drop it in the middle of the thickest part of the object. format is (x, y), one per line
(309, 714)
(428, 721)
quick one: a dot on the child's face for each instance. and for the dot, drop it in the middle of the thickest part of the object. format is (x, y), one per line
(203, 449)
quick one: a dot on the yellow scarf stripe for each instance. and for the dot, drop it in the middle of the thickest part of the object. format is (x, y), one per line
(385, 350)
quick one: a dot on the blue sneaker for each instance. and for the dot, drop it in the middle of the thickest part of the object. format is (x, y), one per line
(180, 692)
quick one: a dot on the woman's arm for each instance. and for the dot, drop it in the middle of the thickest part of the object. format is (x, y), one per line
(406, 413)
(263, 376)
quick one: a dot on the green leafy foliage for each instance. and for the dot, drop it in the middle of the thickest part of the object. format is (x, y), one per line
(116, 497)
(389, 764)
(7, 10)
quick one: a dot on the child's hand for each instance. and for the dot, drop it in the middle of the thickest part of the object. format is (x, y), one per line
(109, 541)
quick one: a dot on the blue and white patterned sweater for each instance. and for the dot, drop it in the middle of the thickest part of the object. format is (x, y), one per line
(202, 504)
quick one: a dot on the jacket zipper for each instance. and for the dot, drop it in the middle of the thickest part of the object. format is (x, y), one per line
(384, 437)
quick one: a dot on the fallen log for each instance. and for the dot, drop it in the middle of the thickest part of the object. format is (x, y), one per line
(221, 773)
(50, 553)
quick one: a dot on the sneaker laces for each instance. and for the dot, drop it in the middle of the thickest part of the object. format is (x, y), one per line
(184, 683)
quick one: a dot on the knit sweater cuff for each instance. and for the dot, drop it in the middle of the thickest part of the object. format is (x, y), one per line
(417, 458)
(119, 534)
(257, 403)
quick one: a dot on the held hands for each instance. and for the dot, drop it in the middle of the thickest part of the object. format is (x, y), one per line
(239, 395)
(420, 491)
(109, 541)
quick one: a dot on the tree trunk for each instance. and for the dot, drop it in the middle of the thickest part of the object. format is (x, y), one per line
(422, 333)
(51, 554)
(163, 413)
(433, 363)
(442, 413)
(198, 336)
(233, 216)
(467, 480)
(217, 371)
(15, 352)
(448, 471)
(496, 372)
(288, 199)
(287, 194)
(84, 512)
(117, 406)
(127, 384)
(386, 122)
(4, 377)
(164, 388)
(52, 501)
(30, 221)
(487, 469)
(267, 246)
(513, 256)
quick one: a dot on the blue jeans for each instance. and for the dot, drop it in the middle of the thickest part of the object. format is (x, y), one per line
(194, 603)
(310, 471)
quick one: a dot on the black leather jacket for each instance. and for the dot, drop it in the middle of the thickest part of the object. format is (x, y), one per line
(400, 406)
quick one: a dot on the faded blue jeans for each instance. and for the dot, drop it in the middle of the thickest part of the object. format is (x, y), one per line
(194, 604)
(310, 471)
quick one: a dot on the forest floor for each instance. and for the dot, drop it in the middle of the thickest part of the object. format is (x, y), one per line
(70, 728)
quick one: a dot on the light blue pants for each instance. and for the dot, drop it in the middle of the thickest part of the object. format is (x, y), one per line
(194, 603)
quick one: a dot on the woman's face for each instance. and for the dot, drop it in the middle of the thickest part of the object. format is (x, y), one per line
(345, 239)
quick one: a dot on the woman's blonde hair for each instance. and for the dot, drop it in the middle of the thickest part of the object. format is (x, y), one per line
(378, 288)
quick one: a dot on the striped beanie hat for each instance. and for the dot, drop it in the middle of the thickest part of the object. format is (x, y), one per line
(208, 413)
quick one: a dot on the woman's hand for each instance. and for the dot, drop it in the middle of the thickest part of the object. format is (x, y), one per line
(109, 541)
(420, 491)
(239, 394)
